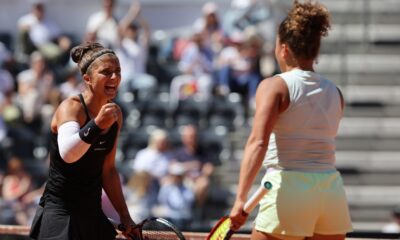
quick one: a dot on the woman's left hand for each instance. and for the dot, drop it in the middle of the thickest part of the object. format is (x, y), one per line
(129, 225)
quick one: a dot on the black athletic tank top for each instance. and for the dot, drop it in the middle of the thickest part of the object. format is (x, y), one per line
(78, 185)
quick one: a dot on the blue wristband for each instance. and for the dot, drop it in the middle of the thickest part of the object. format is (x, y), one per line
(90, 132)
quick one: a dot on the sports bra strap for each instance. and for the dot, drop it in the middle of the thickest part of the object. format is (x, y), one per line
(84, 106)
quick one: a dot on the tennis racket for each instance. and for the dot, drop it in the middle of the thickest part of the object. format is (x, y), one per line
(222, 230)
(153, 229)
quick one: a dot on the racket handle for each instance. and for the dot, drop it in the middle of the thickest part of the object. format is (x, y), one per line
(117, 225)
(121, 227)
(256, 197)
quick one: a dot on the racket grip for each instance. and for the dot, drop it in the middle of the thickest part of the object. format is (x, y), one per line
(117, 225)
(121, 227)
(256, 197)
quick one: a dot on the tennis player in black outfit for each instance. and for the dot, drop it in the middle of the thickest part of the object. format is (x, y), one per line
(82, 158)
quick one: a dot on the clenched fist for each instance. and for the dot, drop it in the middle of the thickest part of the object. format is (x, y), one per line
(109, 113)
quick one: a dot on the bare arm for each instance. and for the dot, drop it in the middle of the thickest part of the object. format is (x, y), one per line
(69, 110)
(270, 101)
(145, 37)
(112, 184)
(131, 15)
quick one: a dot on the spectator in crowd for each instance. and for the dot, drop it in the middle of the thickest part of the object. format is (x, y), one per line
(7, 82)
(102, 26)
(3, 132)
(72, 85)
(132, 50)
(39, 33)
(155, 157)
(17, 182)
(175, 198)
(196, 67)
(36, 89)
(209, 26)
(5, 54)
(243, 14)
(196, 162)
(141, 195)
(237, 68)
(394, 225)
(7, 59)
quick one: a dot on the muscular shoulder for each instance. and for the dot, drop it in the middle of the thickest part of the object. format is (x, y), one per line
(70, 109)
(274, 87)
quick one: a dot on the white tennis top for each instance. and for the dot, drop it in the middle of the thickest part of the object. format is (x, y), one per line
(303, 137)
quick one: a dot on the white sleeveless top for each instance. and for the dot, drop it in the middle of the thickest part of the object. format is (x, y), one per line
(303, 137)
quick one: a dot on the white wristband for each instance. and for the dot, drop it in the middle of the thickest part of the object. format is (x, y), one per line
(70, 145)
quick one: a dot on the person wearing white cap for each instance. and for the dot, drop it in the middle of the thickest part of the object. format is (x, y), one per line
(209, 26)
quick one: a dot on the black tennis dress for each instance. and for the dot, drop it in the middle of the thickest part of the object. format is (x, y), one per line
(70, 208)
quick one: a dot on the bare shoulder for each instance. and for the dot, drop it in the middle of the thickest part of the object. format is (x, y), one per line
(273, 84)
(69, 110)
(273, 90)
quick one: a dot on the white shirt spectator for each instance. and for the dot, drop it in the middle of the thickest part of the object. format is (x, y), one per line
(40, 32)
(152, 161)
(132, 57)
(106, 29)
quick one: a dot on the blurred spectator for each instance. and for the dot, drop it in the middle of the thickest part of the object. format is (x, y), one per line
(17, 182)
(133, 49)
(8, 61)
(394, 226)
(209, 26)
(141, 195)
(175, 198)
(246, 13)
(155, 157)
(37, 92)
(238, 68)
(3, 130)
(73, 84)
(5, 54)
(196, 67)
(196, 162)
(102, 26)
(7, 83)
(38, 32)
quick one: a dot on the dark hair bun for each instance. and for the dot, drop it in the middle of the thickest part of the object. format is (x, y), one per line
(309, 18)
(303, 28)
(76, 53)
(79, 51)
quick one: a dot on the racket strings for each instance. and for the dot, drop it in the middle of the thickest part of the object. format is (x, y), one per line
(154, 229)
(222, 231)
